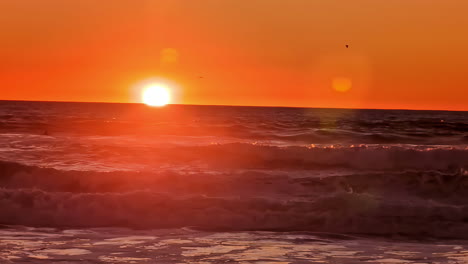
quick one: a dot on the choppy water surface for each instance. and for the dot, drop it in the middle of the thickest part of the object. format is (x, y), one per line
(232, 169)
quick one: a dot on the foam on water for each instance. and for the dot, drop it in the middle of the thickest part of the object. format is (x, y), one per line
(188, 246)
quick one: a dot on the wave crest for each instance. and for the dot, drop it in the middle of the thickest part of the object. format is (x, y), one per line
(348, 213)
(314, 157)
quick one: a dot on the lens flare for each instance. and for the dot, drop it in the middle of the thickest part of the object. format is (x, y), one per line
(156, 95)
(341, 84)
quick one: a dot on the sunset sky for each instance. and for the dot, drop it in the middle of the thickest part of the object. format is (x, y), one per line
(410, 54)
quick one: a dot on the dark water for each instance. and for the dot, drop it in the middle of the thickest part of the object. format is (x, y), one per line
(234, 168)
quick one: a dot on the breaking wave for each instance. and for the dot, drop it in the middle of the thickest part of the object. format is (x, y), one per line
(342, 212)
(410, 202)
(335, 156)
(110, 154)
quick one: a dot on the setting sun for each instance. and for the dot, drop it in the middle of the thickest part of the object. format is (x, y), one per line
(156, 95)
(233, 131)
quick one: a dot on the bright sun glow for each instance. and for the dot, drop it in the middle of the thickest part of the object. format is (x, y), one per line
(156, 95)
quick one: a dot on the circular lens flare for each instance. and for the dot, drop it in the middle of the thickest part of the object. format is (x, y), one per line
(156, 95)
(342, 84)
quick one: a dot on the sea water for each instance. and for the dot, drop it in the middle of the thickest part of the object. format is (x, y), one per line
(128, 183)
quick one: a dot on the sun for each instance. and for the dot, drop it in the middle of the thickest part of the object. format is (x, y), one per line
(156, 95)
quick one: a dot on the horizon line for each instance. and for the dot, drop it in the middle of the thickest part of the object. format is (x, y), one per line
(259, 106)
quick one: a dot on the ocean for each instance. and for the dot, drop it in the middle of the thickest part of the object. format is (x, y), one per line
(128, 183)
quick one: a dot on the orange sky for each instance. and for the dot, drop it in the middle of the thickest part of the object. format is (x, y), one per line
(403, 53)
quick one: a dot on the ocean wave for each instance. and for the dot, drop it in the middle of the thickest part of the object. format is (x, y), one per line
(241, 155)
(341, 212)
(408, 202)
(109, 154)
(443, 185)
(307, 132)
